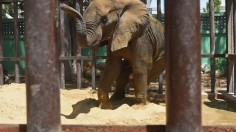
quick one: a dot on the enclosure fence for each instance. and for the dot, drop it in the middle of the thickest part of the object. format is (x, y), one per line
(44, 38)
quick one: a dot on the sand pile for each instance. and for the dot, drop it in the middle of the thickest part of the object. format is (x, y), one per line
(80, 107)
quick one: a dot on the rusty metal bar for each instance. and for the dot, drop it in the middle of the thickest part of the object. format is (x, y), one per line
(1, 46)
(183, 66)
(230, 45)
(159, 10)
(16, 42)
(212, 44)
(93, 70)
(78, 64)
(62, 43)
(42, 66)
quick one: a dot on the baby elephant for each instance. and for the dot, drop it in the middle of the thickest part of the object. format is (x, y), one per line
(135, 43)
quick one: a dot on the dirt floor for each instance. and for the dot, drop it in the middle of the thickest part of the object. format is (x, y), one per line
(80, 107)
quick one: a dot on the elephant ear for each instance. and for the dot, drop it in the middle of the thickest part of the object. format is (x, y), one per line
(133, 20)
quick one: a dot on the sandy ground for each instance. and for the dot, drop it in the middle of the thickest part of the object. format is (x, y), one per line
(80, 107)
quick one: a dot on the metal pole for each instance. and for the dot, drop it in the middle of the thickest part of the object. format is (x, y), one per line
(161, 75)
(212, 44)
(78, 64)
(16, 42)
(93, 70)
(183, 66)
(230, 46)
(1, 45)
(62, 43)
(159, 10)
(234, 32)
(42, 66)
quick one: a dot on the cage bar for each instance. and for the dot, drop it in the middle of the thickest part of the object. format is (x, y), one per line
(1, 46)
(79, 51)
(93, 70)
(159, 10)
(230, 46)
(16, 42)
(183, 66)
(62, 53)
(212, 44)
(42, 65)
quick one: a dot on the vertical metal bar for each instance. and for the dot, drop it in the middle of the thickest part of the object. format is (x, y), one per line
(78, 64)
(183, 66)
(160, 80)
(81, 3)
(159, 18)
(234, 32)
(1, 45)
(230, 46)
(42, 66)
(16, 42)
(159, 10)
(212, 44)
(62, 54)
(93, 70)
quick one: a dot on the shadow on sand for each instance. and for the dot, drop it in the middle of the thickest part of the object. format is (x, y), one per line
(85, 105)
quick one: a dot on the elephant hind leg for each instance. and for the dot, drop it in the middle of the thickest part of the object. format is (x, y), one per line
(121, 83)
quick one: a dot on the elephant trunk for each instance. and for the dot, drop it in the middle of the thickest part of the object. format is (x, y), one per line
(81, 33)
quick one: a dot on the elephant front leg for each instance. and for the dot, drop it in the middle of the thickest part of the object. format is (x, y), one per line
(140, 85)
(110, 74)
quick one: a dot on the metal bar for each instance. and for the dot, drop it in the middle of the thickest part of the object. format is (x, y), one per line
(160, 80)
(42, 66)
(78, 64)
(81, 3)
(234, 32)
(62, 43)
(93, 70)
(1, 46)
(212, 44)
(159, 10)
(11, 58)
(230, 45)
(16, 42)
(183, 68)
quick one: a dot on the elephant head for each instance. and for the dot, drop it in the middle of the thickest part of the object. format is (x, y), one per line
(121, 20)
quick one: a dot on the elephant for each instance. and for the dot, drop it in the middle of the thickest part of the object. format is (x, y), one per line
(135, 45)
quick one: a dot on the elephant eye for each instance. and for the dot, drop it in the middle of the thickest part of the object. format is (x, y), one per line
(104, 19)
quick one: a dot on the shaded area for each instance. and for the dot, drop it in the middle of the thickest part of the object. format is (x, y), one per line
(219, 104)
(82, 106)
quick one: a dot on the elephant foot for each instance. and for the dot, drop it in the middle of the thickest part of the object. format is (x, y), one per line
(141, 101)
(106, 105)
(117, 96)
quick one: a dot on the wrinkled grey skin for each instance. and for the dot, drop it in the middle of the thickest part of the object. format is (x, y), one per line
(143, 56)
